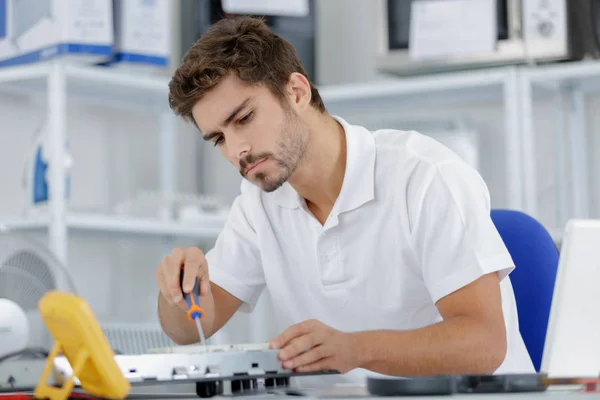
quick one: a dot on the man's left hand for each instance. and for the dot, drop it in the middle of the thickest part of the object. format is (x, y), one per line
(313, 346)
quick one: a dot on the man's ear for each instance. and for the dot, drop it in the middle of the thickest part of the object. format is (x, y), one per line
(298, 89)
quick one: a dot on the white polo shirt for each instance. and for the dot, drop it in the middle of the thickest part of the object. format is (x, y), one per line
(410, 226)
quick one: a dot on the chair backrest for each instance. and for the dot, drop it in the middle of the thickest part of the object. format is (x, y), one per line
(535, 256)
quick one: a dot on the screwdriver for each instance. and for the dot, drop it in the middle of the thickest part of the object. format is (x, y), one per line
(194, 313)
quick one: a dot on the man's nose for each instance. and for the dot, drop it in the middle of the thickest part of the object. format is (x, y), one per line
(238, 148)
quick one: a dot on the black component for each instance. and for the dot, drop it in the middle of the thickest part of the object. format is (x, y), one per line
(282, 382)
(502, 19)
(583, 28)
(269, 382)
(437, 385)
(236, 386)
(501, 383)
(254, 365)
(448, 384)
(294, 392)
(209, 389)
(246, 384)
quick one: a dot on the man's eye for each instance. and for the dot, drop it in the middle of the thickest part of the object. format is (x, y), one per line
(219, 141)
(246, 118)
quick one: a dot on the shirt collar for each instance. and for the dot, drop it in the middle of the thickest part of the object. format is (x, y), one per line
(358, 187)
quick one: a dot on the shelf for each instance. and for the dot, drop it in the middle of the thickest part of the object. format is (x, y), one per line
(208, 227)
(24, 73)
(109, 86)
(584, 75)
(117, 86)
(468, 86)
(123, 87)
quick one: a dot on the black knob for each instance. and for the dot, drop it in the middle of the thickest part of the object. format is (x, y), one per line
(209, 389)
(246, 384)
(282, 382)
(236, 386)
(545, 28)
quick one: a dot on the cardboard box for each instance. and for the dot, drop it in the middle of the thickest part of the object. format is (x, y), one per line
(38, 30)
(143, 32)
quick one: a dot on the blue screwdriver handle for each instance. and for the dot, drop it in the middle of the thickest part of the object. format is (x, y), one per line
(192, 299)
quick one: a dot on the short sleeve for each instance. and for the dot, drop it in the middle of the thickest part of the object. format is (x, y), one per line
(234, 262)
(453, 235)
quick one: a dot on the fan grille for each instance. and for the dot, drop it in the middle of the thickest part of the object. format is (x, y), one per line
(24, 279)
(127, 338)
(29, 270)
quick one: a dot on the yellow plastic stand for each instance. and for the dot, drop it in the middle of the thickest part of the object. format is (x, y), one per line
(79, 338)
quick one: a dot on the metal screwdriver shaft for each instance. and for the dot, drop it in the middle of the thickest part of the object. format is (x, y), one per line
(200, 331)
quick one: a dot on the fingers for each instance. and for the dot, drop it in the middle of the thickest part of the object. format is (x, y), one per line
(310, 356)
(314, 346)
(171, 273)
(171, 293)
(195, 266)
(299, 345)
(293, 332)
(168, 274)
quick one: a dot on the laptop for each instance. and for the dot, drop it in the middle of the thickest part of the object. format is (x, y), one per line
(572, 346)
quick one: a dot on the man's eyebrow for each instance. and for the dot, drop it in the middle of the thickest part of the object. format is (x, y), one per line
(228, 120)
(209, 136)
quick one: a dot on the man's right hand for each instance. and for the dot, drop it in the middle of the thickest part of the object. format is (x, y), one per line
(194, 266)
(218, 304)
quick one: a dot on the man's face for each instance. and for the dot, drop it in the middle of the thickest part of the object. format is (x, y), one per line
(262, 138)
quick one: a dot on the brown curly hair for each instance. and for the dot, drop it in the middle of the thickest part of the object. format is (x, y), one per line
(241, 45)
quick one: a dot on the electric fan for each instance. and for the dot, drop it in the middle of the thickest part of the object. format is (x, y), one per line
(28, 270)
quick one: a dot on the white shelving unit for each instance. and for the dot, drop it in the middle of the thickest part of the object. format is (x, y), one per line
(60, 82)
(567, 84)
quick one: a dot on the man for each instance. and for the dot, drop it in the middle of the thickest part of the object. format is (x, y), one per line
(377, 247)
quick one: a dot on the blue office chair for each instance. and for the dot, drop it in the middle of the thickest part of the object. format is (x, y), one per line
(536, 260)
